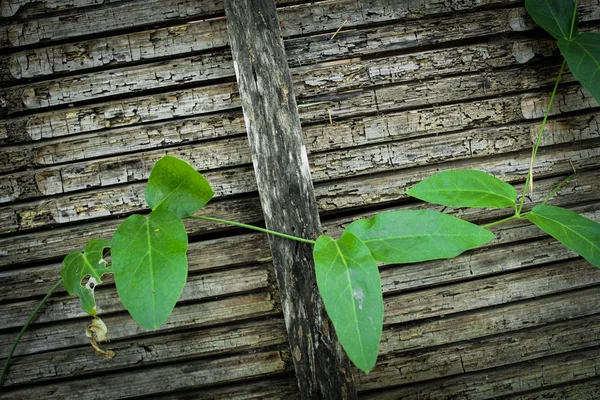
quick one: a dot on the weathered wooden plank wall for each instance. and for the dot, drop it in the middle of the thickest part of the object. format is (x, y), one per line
(93, 92)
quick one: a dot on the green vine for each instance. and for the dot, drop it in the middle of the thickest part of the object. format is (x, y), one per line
(148, 253)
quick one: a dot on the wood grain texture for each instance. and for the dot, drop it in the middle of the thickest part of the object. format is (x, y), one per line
(184, 38)
(198, 287)
(180, 347)
(510, 381)
(286, 193)
(403, 90)
(482, 354)
(121, 326)
(171, 377)
(77, 176)
(560, 159)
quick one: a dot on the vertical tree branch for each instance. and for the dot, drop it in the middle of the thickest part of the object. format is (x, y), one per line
(286, 193)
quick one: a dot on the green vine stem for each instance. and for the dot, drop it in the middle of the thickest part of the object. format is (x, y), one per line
(256, 228)
(529, 179)
(29, 321)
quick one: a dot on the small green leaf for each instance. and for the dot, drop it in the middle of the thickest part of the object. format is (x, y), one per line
(583, 56)
(554, 16)
(88, 266)
(176, 186)
(349, 283)
(150, 264)
(578, 233)
(412, 236)
(465, 188)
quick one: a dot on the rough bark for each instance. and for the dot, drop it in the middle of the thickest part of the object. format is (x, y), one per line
(287, 196)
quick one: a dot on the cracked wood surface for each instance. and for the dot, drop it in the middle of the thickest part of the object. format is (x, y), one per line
(560, 159)
(91, 110)
(390, 156)
(62, 179)
(218, 65)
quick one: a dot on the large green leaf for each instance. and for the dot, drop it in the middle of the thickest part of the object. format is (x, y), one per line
(578, 233)
(150, 264)
(583, 56)
(349, 283)
(413, 236)
(554, 16)
(82, 272)
(465, 188)
(175, 185)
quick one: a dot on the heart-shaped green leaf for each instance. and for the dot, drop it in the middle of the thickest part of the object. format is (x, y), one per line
(583, 56)
(176, 186)
(150, 265)
(578, 233)
(555, 16)
(82, 272)
(349, 283)
(417, 235)
(465, 188)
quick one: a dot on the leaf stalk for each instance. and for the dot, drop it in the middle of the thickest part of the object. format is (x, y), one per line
(255, 228)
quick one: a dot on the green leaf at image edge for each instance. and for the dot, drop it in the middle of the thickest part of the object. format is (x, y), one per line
(176, 186)
(89, 265)
(150, 265)
(578, 233)
(583, 56)
(349, 283)
(465, 188)
(417, 235)
(555, 16)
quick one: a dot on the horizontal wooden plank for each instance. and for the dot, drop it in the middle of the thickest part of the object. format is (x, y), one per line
(179, 347)
(390, 186)
(183, 39)
(510, 381)
(428, 303)
(123, 15)
(198, 287)
(510, 258)
(172, 377)
(414, 336)
(394, 279)
(478, 355)
(206, 255)
(328, 78)
(60, 241)
(33, 8)
(122, 326)
(272, 389)
(587, 389)
(216, 65)
(16, 10)
(101, 172)
(489, 291)
(121, 200)
(169, 133)
(187, 103)
(247, 249)
(162, 42)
